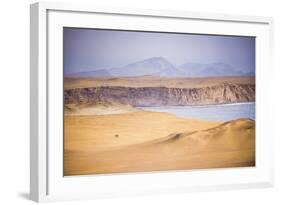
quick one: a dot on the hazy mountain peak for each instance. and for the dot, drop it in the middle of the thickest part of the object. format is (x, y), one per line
(209, 70)
(158, 62)
(149, 66)
(157, 59)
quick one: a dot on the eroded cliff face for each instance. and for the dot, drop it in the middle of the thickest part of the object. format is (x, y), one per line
(162, 96)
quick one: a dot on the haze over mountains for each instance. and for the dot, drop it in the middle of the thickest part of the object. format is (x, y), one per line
(159, 66)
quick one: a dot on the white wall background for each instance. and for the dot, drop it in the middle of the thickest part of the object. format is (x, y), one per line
(14, 101)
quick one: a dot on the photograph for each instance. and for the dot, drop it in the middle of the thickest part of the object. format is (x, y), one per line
(149, 101)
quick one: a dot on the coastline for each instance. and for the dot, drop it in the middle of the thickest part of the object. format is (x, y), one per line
(106, 132)
(201, 106)
(222, 112)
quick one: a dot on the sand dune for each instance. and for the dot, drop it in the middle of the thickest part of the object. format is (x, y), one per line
(150, 141)
(99, 132)
(97, 108)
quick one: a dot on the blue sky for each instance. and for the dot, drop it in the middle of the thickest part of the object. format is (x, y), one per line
(95, 49)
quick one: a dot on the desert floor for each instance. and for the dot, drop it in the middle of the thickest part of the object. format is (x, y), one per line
(141, 141)
(153, 81)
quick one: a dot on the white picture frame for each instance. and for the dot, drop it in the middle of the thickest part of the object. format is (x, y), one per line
(47, 182)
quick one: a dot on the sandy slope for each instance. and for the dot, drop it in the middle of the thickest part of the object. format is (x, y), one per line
(151, 141)
(152, 81)
(98, 108)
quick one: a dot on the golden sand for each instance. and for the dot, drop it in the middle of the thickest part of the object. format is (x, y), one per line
(143, 141)
(153, 81)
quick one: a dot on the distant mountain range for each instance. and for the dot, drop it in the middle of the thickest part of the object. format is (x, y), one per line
(159, 66)
(94, 73)
(214, 69)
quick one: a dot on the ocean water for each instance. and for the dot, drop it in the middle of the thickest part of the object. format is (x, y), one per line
(224, 112)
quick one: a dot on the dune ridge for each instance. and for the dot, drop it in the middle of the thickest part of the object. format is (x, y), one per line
(229, 144)
(98, 108)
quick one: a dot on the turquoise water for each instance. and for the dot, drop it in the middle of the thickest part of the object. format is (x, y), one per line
(224, 112)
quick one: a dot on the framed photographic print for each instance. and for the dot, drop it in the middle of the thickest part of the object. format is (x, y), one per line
(128, 102)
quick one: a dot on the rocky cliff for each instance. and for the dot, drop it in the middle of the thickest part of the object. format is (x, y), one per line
(162, 96)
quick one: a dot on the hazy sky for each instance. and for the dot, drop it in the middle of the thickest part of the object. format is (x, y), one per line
(93, 49)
